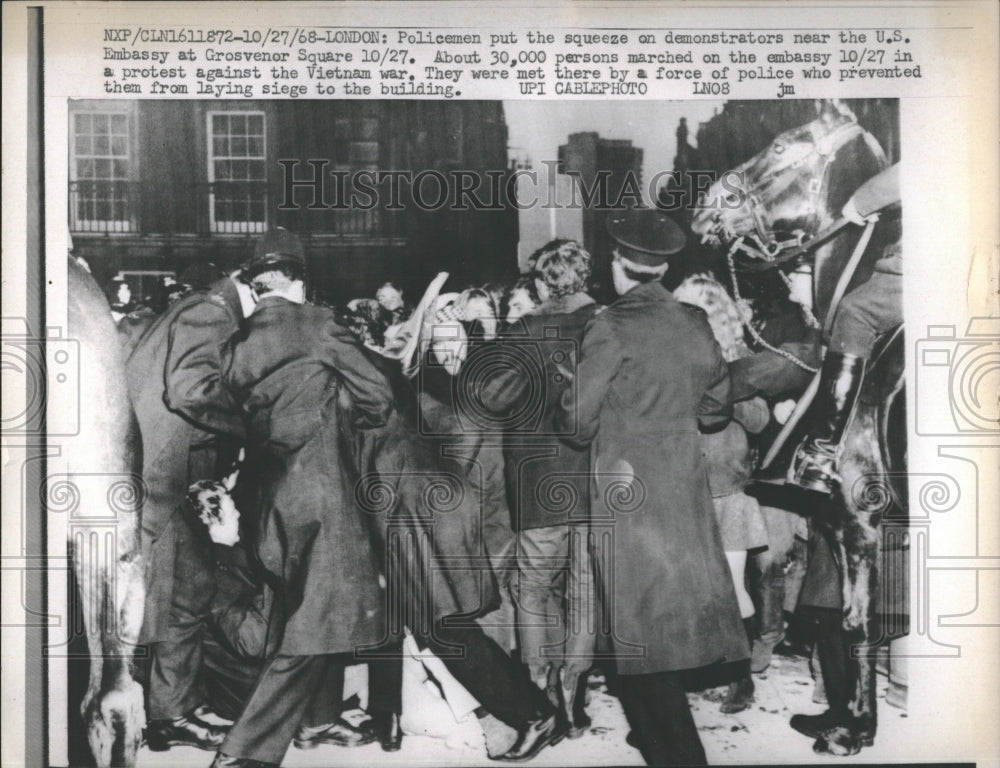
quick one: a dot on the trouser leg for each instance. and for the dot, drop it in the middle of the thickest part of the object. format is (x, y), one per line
(326, 703)
(176, 661)
(770, 570)
(498, 682)
(657, 710)
(833, 648)
(581, 622)
(542, 557)
(276, 708)
(869, 310)
(228, 680)
(385, 681)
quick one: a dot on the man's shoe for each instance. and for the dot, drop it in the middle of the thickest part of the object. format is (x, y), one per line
(537, 735)
(340, 734)
(738, 697)
(385, 727)
(225, 761)
(161, 735)
(815, 726)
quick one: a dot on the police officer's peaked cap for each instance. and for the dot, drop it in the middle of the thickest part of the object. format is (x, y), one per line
(646, 236)
(278, 247)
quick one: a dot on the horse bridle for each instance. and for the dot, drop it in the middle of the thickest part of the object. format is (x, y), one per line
(763, 245)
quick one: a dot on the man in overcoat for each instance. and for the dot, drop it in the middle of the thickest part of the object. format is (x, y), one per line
(547, 480)
(650, 373)
(191, 430)
(288, 368)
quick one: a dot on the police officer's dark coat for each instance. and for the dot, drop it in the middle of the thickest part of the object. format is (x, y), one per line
(288, 368)
(547, 479)
(190, 427)
(650, 372)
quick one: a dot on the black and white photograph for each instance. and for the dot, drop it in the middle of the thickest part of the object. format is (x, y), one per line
(469, 438)
(501, 409)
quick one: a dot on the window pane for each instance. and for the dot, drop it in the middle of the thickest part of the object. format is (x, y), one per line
(102, 145)
(100, 123)
(119, 169)
(102, 168)
(119, 124)
(239, 171)
(85, 168)
(119, 146)
(83, 145)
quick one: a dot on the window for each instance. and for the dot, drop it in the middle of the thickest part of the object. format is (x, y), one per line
(237, 172)
(101, 192)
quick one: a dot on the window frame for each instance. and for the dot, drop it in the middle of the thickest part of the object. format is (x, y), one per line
(77, 223)
(226, 226)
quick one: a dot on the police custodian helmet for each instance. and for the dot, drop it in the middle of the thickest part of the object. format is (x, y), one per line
(645, 236)
(277, 248)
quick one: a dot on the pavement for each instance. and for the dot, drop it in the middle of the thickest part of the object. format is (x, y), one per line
(760, 734)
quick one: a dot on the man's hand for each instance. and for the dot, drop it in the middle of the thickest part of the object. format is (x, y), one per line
(850, 213)
(783, 410)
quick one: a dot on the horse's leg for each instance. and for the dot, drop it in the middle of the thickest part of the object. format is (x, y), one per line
(91, 581)
(125, 697)
(857, 513)
(111, 587)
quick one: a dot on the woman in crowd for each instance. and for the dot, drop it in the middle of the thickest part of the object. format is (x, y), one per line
(729, 463)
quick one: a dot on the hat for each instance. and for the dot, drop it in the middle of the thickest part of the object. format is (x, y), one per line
(201, 274)
(278, 247)
(646, 236)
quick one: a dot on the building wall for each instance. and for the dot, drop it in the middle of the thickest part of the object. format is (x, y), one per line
(167, 222)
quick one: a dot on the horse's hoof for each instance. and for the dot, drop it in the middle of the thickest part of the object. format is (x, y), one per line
(738, 697)
(839, 741)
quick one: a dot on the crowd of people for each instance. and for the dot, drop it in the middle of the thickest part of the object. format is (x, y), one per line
(508, 486)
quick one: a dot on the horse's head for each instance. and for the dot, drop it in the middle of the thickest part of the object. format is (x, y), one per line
(781, 196)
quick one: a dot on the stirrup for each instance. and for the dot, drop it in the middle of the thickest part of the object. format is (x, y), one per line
(814, 467)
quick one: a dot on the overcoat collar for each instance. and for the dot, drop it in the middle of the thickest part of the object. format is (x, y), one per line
(226, 291)
(646, 292)
(564, 304)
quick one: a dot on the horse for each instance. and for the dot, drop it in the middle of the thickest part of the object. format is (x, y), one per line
(778, 209)
(103, 479)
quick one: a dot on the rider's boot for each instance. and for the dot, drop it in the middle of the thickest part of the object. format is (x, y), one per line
(813, 466)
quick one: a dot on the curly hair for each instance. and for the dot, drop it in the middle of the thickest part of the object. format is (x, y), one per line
(205, 499)
(724, 314)
(563, 265)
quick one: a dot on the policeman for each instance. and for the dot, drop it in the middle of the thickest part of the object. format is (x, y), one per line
(288, 369)
(871, 309)
(650, 373)
(191, 430)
